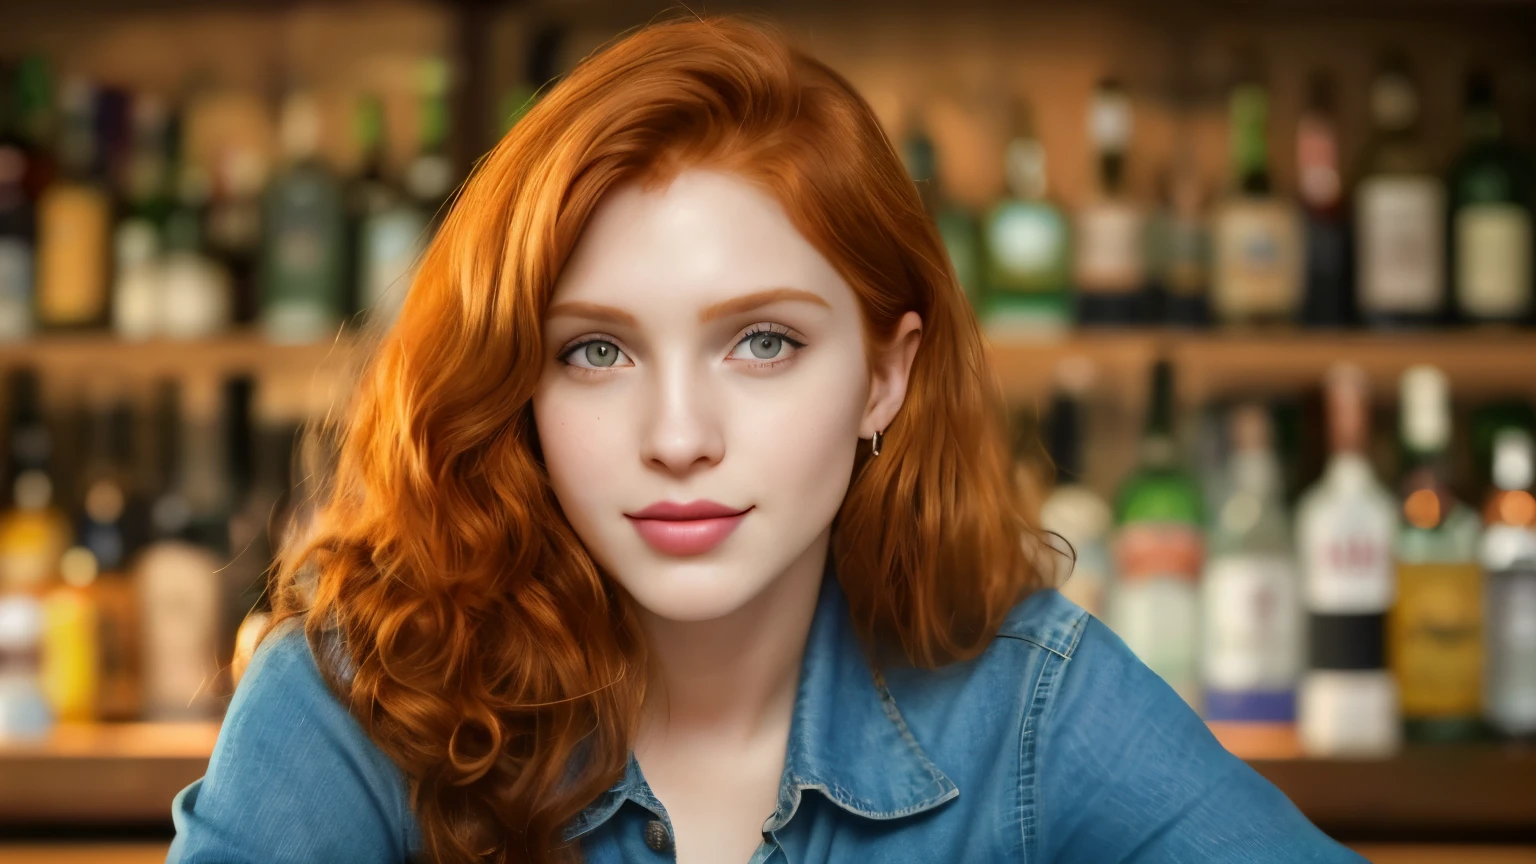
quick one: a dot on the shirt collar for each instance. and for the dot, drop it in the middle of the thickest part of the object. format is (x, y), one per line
(847, 740)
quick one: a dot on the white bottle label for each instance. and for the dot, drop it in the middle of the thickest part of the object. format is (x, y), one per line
(1252, 623)
(1402, 248)
(1157, 620)
(1024, 240)
(1493, 260)
(1348, 564)
(1109, 248)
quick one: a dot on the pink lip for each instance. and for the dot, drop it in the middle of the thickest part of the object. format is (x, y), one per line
(686, 529)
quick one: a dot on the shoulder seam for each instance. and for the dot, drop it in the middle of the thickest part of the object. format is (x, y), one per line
(1079, 621)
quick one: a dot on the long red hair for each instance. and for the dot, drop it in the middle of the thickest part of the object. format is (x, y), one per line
(484, 649)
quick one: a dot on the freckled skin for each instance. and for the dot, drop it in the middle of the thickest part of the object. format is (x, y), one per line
(711, 411)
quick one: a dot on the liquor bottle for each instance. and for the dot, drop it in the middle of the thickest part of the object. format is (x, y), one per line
(1491, 189)
(1435, 628)
(391, 230)
(34, 532)
(957, 228)
(1250, 608)
(24, 710)
(233, 226)
(71, 661)
(1158, 551)
(74, 218)
(261, 526)
(112, 527)
(1109, 260)
(429, 176)
(1329, 300)
(1258, 267)
(36, 119)
(1399, 208)
(18, 232)
(1073, 511)
(1508, 556)
(1026, 263)
(198, 300)
(1348, 703)
(303, 267)
(139, 236)
(1180, 249)
(178, 584)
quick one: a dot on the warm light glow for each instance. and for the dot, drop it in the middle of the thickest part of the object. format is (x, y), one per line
(1422, 508)
(1517, 508)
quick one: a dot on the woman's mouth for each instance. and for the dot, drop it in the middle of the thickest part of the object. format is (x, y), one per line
(687, 536)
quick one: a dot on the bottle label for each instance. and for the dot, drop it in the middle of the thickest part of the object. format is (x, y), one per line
(1252, 623)
(72, 223)
(1399, 229)
(15, 288)
(1349, 562)
(1493, 260)
(1258, 260)
(1159, 551)
(1110, 255)
(1512, 640)
(1025, 242)
(1158, 620)
(1436, 633)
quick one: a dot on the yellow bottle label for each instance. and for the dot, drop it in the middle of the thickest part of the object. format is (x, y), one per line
(70, 652)
(73, 222)
(1436, 639)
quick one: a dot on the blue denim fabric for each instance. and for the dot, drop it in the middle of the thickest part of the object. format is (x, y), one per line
(1056, 744)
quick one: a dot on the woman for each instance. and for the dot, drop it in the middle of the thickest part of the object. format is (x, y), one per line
(674, 519)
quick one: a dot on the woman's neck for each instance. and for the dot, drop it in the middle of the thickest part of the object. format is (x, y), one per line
(731, 681)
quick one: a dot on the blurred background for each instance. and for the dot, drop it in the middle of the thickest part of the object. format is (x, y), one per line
(1257, 277)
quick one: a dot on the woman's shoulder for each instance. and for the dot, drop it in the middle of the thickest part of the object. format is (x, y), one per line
(292, 770)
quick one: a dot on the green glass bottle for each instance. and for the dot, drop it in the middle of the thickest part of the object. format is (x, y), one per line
(1159, 551)
(304, 249)
(1026, 269)
(1435, 628)
(957, 227)
(1491, 191)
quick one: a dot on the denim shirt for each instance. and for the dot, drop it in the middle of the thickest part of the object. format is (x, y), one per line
(1055, 744)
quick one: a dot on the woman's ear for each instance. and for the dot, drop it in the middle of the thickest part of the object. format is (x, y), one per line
(892, 368)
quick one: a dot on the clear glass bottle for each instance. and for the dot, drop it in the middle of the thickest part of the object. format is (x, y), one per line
(1109, 266)
(1491, 192)
(1399, 206)
(1345, 524)
(1158, 550)
(1435, 628)
(1508, 555)
(1251, 646)
(177, 578)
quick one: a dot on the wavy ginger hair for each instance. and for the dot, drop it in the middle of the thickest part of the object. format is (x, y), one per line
(484, 650)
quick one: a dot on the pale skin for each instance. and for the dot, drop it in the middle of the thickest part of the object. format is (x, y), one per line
(652, 390)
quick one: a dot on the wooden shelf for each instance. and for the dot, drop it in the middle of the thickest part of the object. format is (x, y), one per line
(128, 773)
(1480, 363)
(105, 774)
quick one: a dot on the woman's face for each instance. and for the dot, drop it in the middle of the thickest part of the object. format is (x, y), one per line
(699, 349)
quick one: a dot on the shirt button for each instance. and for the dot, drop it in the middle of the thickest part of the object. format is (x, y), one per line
(657, 836)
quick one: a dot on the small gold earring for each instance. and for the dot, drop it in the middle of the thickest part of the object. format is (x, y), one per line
(874, 443)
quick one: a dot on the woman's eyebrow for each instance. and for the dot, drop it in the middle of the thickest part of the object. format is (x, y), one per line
(735, 305)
